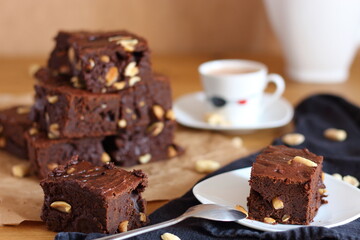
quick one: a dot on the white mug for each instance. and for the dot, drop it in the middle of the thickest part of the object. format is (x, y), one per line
(319, 38)
(235, 89)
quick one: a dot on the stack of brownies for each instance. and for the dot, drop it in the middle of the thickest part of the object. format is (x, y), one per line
(99, 98)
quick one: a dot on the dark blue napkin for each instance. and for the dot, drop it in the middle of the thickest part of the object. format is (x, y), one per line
(312, 117)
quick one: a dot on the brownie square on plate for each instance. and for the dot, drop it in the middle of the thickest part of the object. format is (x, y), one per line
(286, 186)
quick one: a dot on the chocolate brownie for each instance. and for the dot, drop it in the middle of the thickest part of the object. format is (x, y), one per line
(45, 154)
(64, 111)
(101, 61)
(80, 197)
(144, 145)
(286, 186)
(14, 122)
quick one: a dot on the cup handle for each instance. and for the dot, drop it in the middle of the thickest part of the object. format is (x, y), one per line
(280, 87)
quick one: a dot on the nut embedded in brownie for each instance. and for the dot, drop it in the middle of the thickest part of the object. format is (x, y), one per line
(14, 122)
(83, 198)
(286, 186)
(101, 61)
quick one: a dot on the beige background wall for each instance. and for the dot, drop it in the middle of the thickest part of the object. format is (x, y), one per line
(171, 26)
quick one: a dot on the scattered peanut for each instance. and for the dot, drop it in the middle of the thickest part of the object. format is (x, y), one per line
(105, 158)
(335, 134)
(303, 161)
(119, 85)
(52, 166)
(23, 110)
(158, 111)
(61, 206)
(206, 166)
(269, 220)
(71, 54)
(54, 131)
(33, 131)
(111, 76)
(91, 64)
(169, 236)
(351, 180)
(156, 128)
(285, 218)
(128, 110)
(237, 142)
(122, 123)
(52, 99)
(123, 226)
(142, 217)
(215, 119)
(70, 170)
(131, 70)
(134, 80)
(293, 139)
(76, 83)
(20, 170)
(141, 103)
(337, 176)
(170, 114)
(127, 43)
(171, 151)
(241, 209)
(145, 158)
(277, 203)
(105, 58)
(322, 191)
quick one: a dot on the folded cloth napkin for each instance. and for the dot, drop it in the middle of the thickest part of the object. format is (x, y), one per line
(312, 117)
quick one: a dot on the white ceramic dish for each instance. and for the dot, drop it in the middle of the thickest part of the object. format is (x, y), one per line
(190, 110)
(232, 188)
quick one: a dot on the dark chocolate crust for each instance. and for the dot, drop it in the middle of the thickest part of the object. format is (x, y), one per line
(275, 175)
(90, 56)
(100, 198)
(14, 122)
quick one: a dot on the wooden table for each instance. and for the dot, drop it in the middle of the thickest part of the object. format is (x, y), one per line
(183, 72)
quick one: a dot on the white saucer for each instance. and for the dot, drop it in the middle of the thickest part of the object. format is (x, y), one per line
(190, 110)
(232, 188)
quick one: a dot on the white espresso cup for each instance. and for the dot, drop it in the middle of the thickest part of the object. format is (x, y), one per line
(235, 89)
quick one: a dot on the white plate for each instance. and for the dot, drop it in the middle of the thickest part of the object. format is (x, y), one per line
(232, 188)
(189, 110)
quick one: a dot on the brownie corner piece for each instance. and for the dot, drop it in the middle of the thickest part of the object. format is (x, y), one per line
(83, 198)
(101, 61)
(286, 186)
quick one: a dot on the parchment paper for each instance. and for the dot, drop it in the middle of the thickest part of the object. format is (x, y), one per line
(21, 198)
